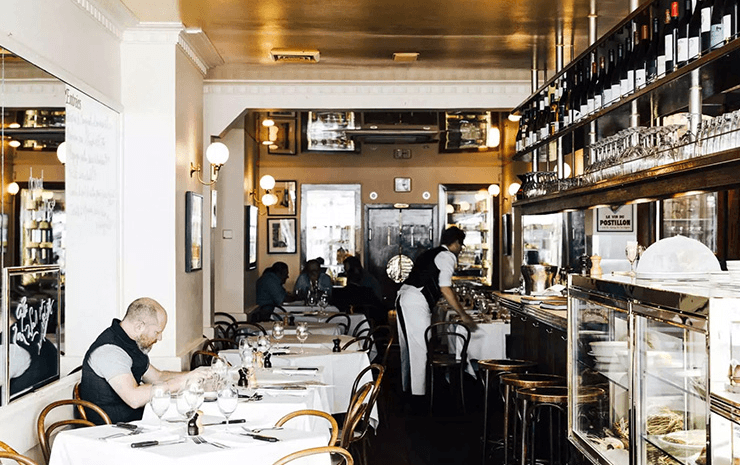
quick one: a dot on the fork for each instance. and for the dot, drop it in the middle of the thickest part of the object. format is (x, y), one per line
(202, 440)
(259, 430)
(120, 435)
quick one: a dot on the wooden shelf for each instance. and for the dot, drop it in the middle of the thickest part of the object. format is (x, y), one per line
(707, 173)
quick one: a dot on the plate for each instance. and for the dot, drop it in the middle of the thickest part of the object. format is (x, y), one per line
(690, 442)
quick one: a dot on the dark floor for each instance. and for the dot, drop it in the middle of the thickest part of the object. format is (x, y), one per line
(409, 435)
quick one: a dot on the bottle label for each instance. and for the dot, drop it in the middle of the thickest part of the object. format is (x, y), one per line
(566, 120)
(706, 19)
(668, 47)
(717, 37)
(598, 102)
(591, 105)
(661, 65)
(727, 27)
(544, 132)
(615, 93)
(694, 47)
(628, 85)
(640, 78)
(682, 50)
(582, 111)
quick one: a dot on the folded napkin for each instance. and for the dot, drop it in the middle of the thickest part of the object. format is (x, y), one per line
(158, 435)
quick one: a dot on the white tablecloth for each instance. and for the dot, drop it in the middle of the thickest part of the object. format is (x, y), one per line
(486, 342)
(315, 314)
(314, 328)
(84, 447)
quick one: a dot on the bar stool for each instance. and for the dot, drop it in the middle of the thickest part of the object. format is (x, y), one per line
(498, 367)
(512, 382)
(554, 399)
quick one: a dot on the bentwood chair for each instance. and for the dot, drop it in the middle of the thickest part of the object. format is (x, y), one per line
(17, 457)
(358, 404)
(243, 329)
(6, 448)
(218, 344)
(362, 344)
(382, 337)
(221, 329)
(341, 319)
(365, 326)
(76, 395)
(222, 316)
(201, 358)
(317, 413)
(447, 349)
(45, 432)
(343, 453)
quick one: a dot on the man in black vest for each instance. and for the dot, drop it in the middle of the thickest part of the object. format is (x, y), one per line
(116, 374)
(430, 279)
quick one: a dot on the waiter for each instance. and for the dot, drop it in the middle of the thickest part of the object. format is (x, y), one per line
(430, 278)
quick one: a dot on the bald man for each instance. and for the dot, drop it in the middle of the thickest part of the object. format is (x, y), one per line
(116, 373)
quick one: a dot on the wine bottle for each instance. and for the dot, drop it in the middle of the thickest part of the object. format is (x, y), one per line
(583, 76)
(627, 71)
(544, 121)
(694, 33)
(642, 59)
(671, 37)
(706, 23)
(729, 20)
(519, 139)
(614, 74)
(591, 78)
(611, 84)
(682, 34)
(531, 139)
(716, 36)
(655, 54)
(602, 86)
(565, 100)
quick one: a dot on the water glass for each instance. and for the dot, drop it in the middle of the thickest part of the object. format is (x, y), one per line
(301, 333)
(160, 401)
(278, 331)
(194, 395)
(227, 400)
(181, 403)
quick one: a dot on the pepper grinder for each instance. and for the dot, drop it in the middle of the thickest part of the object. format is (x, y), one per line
(267, 363)
(242, 378)
(336, 345)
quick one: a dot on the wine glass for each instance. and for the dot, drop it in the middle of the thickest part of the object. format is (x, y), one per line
(160, 401)
(631, 252)
(194, 395)
(227, 399)
(323, 302)
(278, 331)
(181, 402)
(301, 333)
(219, 370)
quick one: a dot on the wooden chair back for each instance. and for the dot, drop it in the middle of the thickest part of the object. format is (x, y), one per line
(243, 329)
(341, 319)
(6, 448)
(440, 340)
(223, 316)
(76, 395)
(318, 413)
(221, 329)
(45, 432)
(357, 406)
(219, 344)
(364, 327)
(363, 343)
(344, 453)
(377, 371)
(382, 337)
(201, 358)
(17, 457)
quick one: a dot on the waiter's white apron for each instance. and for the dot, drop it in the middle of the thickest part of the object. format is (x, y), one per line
(417, 317)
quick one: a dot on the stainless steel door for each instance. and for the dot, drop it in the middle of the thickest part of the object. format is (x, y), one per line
(394, 231)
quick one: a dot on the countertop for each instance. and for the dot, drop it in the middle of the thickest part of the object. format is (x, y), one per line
(555, 318)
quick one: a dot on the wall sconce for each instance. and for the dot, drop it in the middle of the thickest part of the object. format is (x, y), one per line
(494, 137)
(514, 188)
(494, 190)
(13, 188)
(217, 154)
(62, 153)
(267, 183)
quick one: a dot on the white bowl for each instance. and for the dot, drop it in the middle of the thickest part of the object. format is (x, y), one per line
(607, 348)
(683, 444)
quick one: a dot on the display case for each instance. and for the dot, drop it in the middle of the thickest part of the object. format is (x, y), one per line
(325, 131)
(647, 344)
(693, 216)
(470, 210)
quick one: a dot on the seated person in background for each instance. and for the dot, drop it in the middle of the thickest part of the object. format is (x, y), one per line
(116, 374)
(270, 291)
(367, 280)
(360, 298)
(311, 276)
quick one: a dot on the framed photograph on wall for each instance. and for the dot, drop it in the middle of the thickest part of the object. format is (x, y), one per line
(282, 135)
(285, 191)
(193, 231)
(281, 235)
(250, 237)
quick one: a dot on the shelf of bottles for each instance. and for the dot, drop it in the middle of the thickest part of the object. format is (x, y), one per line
(469, 211)
(325, 131)
(42, 218)
(647, 59)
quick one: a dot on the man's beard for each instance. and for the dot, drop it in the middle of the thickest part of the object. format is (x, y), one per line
(143, 347)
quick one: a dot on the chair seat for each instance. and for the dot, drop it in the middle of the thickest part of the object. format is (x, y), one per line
(445, 360)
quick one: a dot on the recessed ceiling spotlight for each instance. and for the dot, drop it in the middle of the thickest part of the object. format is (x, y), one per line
(405, 57)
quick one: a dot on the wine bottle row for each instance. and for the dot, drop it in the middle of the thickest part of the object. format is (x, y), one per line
(643, 51)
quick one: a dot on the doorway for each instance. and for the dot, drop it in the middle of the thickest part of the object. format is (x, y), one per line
(394, 232)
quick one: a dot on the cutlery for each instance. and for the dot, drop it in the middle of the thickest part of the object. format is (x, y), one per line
(136, 445)
(260, 437)
(202, 440)
(241, 420)
(259, 430)
(133, 429)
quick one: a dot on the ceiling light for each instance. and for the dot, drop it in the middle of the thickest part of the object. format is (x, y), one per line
(405, 57)
(268, 122)
(14, 143)
(286, 55)
(566, 170)
(494, 190)
(514, 118)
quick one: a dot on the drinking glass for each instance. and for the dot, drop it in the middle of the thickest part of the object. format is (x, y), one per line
(219, 370)
(227, 399)
(194, 395)
(181, 403)
(301, 333)
(323, 301)
(160, 401)
(631, 252)
(278, 331)
(263, 344)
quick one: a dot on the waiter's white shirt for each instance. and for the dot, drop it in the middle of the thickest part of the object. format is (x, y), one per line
(417, 316)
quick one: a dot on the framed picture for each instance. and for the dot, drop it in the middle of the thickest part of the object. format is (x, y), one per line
(250, 237)
(285, 191)
(281, 114)
(193, 231)
(402, 184)
(615, 219)
(281, 235)
(282, 133)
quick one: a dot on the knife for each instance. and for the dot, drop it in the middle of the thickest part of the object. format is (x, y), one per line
(127, 426)
(232, 422)
(136, 445)
(260, 437)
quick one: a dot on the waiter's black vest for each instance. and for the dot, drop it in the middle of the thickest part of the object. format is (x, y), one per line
(425, 275)
(97, 390)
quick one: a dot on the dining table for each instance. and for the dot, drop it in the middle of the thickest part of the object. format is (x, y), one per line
(487, 341)
(315, 314)
(217, 443)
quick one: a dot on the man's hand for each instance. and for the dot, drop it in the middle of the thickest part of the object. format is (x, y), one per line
(468, 321)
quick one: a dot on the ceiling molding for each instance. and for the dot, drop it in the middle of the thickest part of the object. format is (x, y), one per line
(111, 14)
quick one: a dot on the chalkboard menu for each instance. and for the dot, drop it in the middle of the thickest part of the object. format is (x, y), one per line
(31, 330)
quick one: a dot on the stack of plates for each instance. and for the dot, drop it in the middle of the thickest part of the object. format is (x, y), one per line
(606, 355)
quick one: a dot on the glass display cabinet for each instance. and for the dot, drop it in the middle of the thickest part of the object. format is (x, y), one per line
(646, 344)
(325, 131)
(472, 211)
